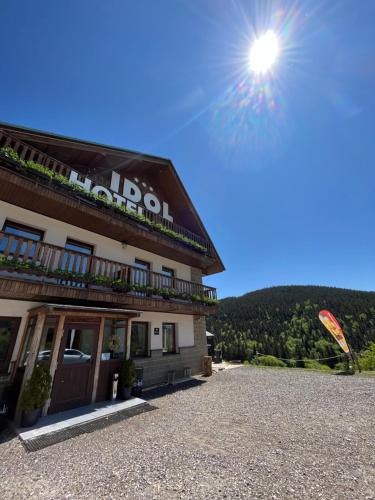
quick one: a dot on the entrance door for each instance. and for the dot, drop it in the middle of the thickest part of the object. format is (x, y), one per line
(74, 375)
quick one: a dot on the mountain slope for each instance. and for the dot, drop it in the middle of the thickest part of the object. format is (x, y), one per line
(283, 321)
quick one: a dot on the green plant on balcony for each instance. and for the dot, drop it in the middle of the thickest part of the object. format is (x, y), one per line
(121, 286)
(15, 264)
(118, 285)
(100, 280)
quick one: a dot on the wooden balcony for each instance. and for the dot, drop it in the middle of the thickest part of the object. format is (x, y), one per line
(34, 270)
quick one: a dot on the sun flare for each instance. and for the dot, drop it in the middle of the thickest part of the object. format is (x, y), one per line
(264, 53)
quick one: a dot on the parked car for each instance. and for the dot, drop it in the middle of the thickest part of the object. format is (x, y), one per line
(70, 356)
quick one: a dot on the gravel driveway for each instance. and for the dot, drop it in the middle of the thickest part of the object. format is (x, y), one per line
(245, 433)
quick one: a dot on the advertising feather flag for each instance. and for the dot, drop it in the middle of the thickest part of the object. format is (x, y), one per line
(334, 328)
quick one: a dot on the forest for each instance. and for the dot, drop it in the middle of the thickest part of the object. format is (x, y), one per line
(283, 321)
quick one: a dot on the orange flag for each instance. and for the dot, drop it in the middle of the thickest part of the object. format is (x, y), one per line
(334, 328)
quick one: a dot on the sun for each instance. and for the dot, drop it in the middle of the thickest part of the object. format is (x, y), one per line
(264, 53)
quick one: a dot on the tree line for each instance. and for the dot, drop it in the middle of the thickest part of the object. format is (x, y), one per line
(283, 322)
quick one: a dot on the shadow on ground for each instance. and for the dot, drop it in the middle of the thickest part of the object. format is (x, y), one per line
(6, 432)
(164, 390)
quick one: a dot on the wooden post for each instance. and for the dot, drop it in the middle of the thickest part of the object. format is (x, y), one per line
(97, 362)
(55, 355)
(18, 348)
(128, 339)
(33, 353)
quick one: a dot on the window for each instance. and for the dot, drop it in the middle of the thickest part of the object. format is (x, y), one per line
(20, 232)
(27, 341)
(77, 246)
(169, 338)
(141, 264)
(80, 345)
(74, 263)
(114, 339)
(8, 333)
(139, 339)
(46, 342)
(141, 277)
(167, 279)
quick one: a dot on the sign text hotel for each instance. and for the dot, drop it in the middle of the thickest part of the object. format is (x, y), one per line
(130, 196)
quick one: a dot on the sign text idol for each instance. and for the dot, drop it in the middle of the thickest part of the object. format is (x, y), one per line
(130, 196)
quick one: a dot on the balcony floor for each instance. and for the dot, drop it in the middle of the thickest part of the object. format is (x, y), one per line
(16, 286)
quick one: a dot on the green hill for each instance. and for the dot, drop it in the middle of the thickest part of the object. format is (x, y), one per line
(283, 321)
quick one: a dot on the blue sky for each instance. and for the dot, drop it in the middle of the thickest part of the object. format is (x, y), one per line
(280, 169)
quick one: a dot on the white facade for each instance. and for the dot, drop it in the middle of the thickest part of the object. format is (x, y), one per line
(184, 324)
(57, 232)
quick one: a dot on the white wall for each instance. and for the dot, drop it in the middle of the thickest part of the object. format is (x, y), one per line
(57, 232)
(184, 328)
(184, 323)
(17, 308)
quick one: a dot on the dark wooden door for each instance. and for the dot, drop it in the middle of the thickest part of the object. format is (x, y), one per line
(74, 377)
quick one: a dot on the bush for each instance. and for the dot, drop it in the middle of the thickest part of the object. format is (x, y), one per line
(291, 363)
(37, 388)
(367, 359)
(268, 361)
(312, 364)
(341, 366)
(127, 373)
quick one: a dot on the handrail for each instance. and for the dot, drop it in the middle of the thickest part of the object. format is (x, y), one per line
(27, 152)
(56, 259)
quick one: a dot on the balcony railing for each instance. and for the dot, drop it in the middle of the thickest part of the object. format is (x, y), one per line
(27, 152)
(70, 268)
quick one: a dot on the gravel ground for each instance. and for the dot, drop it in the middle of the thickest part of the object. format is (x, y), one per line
(245, 433)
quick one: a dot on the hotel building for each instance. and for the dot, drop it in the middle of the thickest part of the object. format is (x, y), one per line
(102, 255)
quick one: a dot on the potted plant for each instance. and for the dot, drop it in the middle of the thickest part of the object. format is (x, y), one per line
(34, 395)
(127, 378)
(121, 286)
